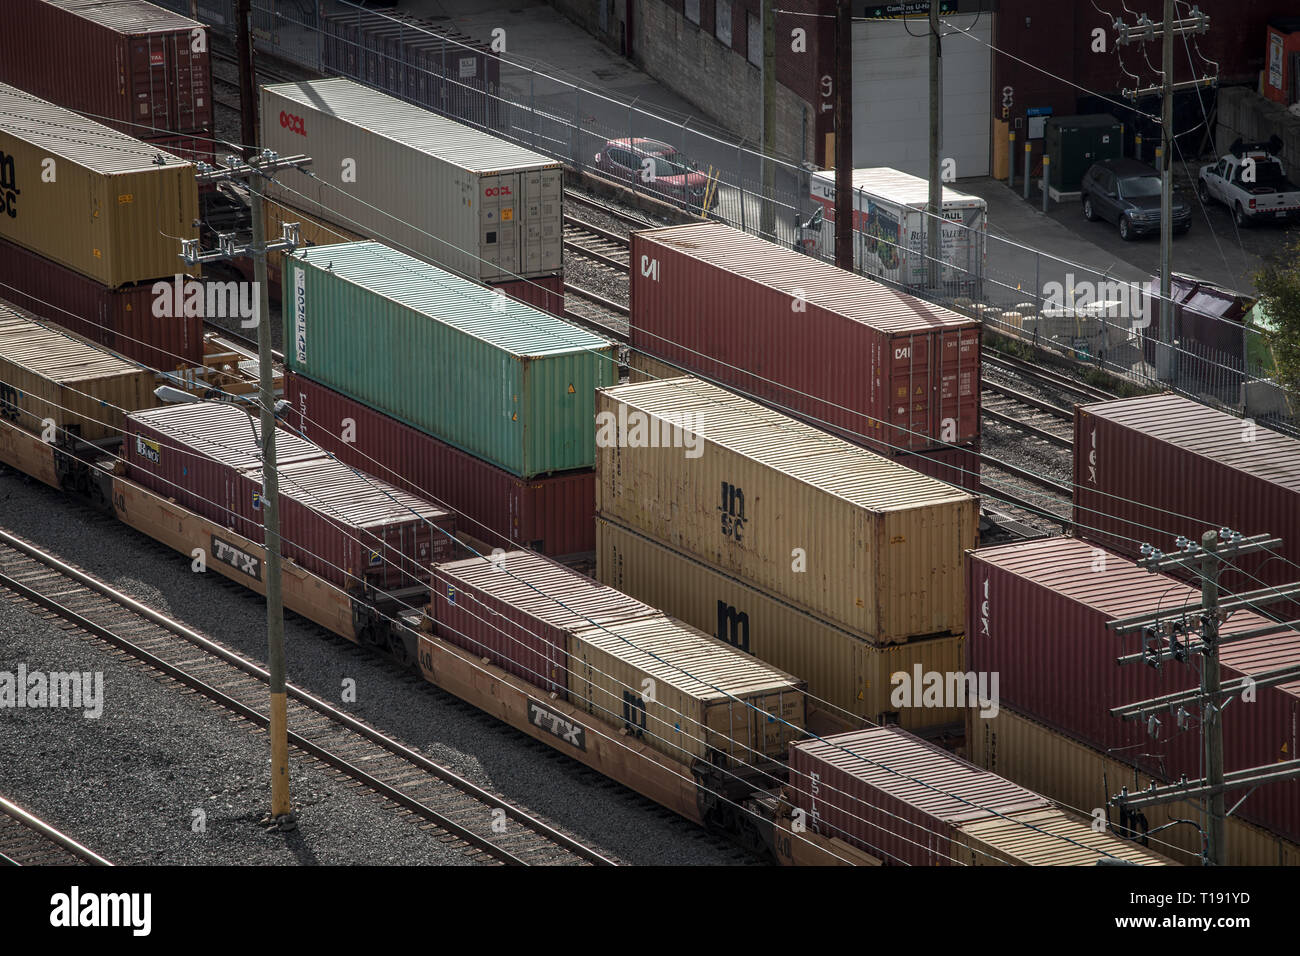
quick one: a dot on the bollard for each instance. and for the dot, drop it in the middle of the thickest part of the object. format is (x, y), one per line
(1029, 151)
(1011, 160)
(1137, 145)
(1047, 168)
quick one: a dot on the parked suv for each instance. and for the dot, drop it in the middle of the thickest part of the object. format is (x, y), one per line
(658, 167)
(1127, 193)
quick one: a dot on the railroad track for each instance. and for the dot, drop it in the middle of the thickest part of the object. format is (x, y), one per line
(27, 840)
(601, 246)
(485, 827)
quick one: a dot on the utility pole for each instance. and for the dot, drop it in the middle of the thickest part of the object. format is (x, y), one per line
(1143, 31)
(768, 218)
(1182, 633)
(934, 222)
(843, 136)
(255, 171)
(247, 81)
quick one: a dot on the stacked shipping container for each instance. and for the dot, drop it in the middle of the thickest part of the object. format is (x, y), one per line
(884, 369)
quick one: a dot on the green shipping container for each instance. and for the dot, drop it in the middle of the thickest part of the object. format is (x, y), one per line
(481, 371)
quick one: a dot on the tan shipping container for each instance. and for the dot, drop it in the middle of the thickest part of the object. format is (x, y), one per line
(311, 232)
(1084, 779)
(843, 533)
(47, 375)
(683, 693)
(89, 197)
(1044, 838)
(847, 677)
(647, 368)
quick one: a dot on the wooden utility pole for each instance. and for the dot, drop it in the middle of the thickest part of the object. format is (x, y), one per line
(247, 81)
(934, 221)
(768, 218)
(843, 136)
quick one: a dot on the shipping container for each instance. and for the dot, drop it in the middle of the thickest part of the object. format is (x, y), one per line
(113, 213)
(312, 231)
(1147, 470)
(847, 535)
(552, 514)
(47, 377)
(485, 208)
(128, 64)
(836, 349)
(520, 610)
(349, 531)
(1046, 838)
(1037, 618)
(1079, 777)
(491, 376)
(120, 319)
(541, 292)
(848, 678)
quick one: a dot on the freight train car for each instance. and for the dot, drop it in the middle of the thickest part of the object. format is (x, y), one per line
(484, 208)
(128, 64)
(1147, 470)
(1037, 618)
(880, 367)
(112, 212)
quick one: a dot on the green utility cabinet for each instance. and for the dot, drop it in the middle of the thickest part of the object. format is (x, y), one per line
(1076, 142)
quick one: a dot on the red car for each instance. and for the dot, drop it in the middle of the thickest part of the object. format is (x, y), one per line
(651, 165)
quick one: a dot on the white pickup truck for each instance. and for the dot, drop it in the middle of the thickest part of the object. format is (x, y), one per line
(1251, 181)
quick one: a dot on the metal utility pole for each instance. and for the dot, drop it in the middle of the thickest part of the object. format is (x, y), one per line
(1182, 633)
(843, 136)
(247, 80)
(1142, 31)
(768, 219)
(934, 222)
(255, 171)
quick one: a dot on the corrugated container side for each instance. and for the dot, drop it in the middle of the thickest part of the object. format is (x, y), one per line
(840, 532)
(846, 676)
(835, 348)
(542, 292)
(506, 609)
(552, 514)
(135, 66)
(486, 209)
(133, 213)
(47, 376)
(491, 376)
(684, 693)
(896, 796)
(120, 319)
(1044, 838)
(1150, 469)
(1083, 778)
(1038, 618)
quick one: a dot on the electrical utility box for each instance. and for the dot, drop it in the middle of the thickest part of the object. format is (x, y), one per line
(1076, 142)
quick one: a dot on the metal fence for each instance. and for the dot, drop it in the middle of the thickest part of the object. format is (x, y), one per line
(1018, 291)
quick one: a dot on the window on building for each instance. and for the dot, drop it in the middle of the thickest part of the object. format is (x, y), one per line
(755, 51)
(723, 20)
(693, 11)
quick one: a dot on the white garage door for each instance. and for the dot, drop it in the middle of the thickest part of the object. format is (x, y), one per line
(891, 94)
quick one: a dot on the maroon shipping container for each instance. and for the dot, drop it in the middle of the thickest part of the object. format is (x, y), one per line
(896, 796)
(120, 319)
(1037, 618)
(544, 292)
(1147, 470)
(837, 349)
(554, 514)
(127, 64)
(958, 466)
(505, 608)
(197, 146)
(207, 457)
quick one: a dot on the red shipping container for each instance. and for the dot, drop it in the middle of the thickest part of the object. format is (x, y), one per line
(207, 457)
(120, 319)
(1147, 470)
(1037, 618)
(514, 619)
(896, 796)
(127, 64)
(834, 348)
(544, 292)
(554, 514)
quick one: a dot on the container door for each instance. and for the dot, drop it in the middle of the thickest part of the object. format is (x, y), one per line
(956, 419)
(148, 83)
(911, 385)
(190, 84)
(498, 225)
(540, 226)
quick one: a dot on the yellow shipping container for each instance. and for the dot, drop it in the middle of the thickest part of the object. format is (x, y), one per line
(1044, 838)
(847, 535)
(46, 376)
(1034, 756)
(683, 693)
(89, 197)
(847, 677)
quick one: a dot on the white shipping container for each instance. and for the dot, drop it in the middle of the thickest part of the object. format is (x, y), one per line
(889, 228)
(434, 188)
